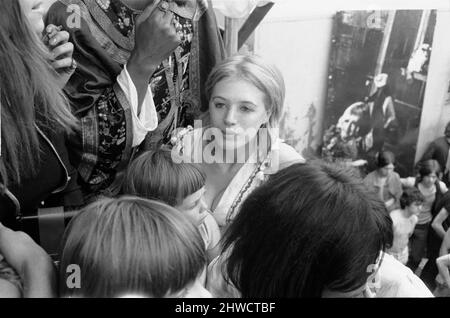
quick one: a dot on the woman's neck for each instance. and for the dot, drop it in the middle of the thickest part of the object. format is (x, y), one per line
(227, 168)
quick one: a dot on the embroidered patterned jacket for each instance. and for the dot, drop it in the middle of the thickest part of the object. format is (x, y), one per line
(103, 41)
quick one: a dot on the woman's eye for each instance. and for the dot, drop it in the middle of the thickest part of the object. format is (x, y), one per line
(219, 105)
(246, 109)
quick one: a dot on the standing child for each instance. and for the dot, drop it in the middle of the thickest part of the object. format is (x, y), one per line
(154, 175)
(403, 222)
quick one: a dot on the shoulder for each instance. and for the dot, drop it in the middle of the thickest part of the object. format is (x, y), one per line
(216, 283)
(397, 280)
(414, 219)
(408, 182)
(395, 213)
(212, 228)
(370, 177)
(288, 156)
(443, 187)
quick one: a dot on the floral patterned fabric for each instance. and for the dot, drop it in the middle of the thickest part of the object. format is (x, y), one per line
(103, 42)
(175, 70)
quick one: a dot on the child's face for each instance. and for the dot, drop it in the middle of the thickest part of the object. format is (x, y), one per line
(34, 11)
(415, 208)
(429, 180)
(194, 206)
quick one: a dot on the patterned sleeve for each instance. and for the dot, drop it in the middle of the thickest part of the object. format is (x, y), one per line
(103, 146)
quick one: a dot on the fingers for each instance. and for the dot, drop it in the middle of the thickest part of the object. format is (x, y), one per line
(59, 37)
(65, 49)
(62, 63)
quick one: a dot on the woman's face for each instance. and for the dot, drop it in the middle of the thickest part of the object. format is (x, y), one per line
(237, 108)
(34, 10)
(429, 180)
(194, 206)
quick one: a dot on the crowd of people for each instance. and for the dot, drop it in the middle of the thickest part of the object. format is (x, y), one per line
(105, 172)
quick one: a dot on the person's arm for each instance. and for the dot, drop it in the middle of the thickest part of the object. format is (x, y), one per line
(443, 187)
(109, 116)
(156, 38)
(415, 219)
(437, 223)
(445, 246)
(443, 264)
(408, 182)
(30, 261)
(390, 111)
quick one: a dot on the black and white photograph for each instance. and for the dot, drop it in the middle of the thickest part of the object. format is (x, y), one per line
(237, 149)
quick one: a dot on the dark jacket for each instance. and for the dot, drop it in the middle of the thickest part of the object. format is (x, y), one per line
(54, 185)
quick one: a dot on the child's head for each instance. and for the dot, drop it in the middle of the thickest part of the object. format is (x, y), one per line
(429, 172)
(154, 175)
(385, 163)
(411, 199)
(311, 230)
(132, 246)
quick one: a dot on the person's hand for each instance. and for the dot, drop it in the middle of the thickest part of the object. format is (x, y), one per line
(443, 264)
(61, 50)
(30, 261)
(156, 37)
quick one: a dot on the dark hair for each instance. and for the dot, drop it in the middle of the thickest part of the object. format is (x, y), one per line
(29, 95)
(385, 158)
(447, 129)
(409, 196)
(154, 175)
(310, 227)
(131, 245)
(427, 167)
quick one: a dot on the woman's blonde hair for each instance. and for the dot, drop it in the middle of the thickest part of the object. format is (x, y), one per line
(253, 69)
(132, 246)
(29, 94)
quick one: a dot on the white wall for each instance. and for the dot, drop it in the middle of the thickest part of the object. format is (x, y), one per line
(299, 45)
(296, 37)
(436, 106)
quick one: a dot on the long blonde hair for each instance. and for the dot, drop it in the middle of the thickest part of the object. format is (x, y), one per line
(29, 95)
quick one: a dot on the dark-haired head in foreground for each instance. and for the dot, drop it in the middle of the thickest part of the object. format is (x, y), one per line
(312, 230)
